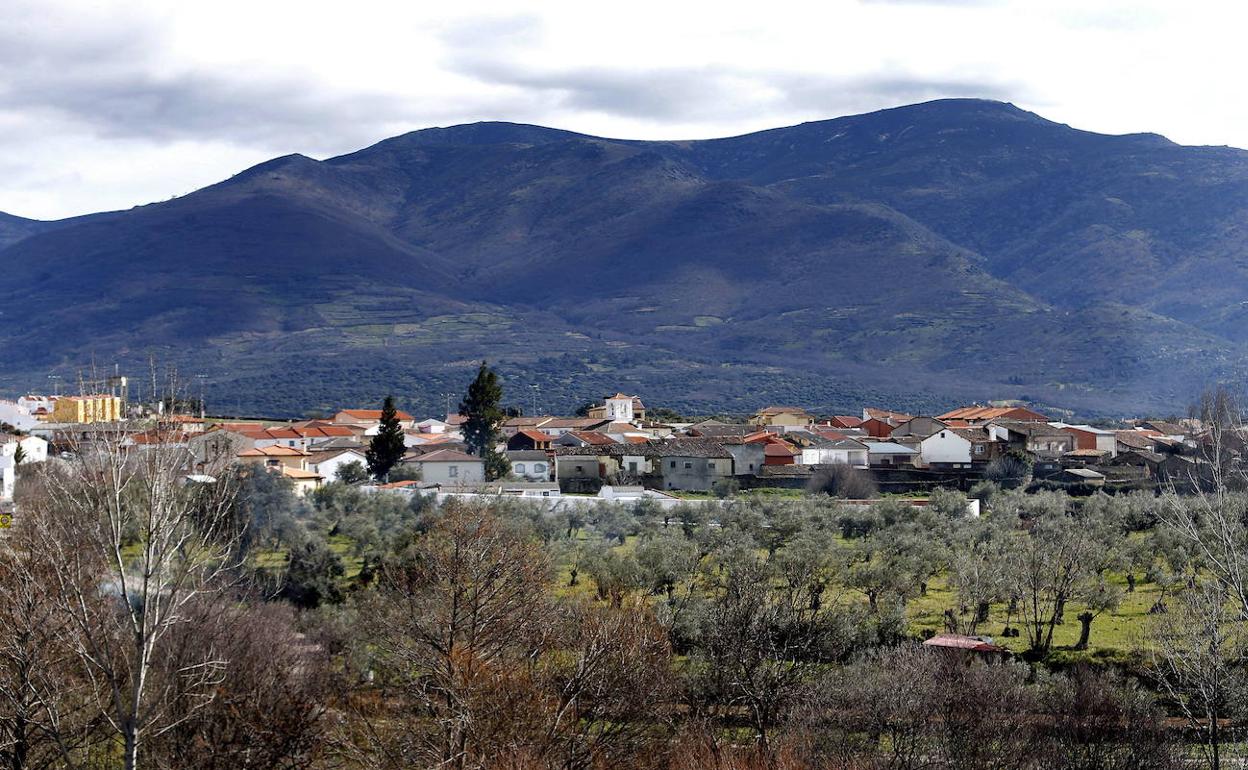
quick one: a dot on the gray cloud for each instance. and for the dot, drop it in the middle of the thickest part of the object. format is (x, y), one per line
(692, 94)
(104, 81)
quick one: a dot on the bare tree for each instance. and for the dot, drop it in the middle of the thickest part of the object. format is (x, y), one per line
(133, 545)
(268, 712)
(1212, 521)
(1197, 650)
(42, 720)
(454, 615)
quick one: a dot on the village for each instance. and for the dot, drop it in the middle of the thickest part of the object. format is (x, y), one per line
(617, 449)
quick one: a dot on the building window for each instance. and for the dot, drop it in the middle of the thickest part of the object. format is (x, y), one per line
(673, 464)
(632, 467)
(580, 469)
(979, 449)
(688, 466)
(537, 467)
(453, 471)
(519, 467)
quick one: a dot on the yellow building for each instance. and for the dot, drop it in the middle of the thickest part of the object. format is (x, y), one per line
(83, 409)
(782, 416)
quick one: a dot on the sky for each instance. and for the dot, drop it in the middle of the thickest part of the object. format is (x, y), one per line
(107, 105)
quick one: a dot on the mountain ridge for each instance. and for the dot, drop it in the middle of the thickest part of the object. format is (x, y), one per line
(970, 246)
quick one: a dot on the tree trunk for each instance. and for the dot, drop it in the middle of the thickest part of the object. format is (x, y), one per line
(131, 757)
(1085, 620)
(20, 744)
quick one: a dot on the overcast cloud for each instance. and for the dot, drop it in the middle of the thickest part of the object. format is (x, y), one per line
(112, 104)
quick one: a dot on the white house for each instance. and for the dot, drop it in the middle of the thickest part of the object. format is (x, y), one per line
(946, 448)
(529, 464)
(1088, 437)
(433, 425)
(34, 449)
(448, 466)
(7, 479)
(326, 463)
(836, 452)
(17, 415)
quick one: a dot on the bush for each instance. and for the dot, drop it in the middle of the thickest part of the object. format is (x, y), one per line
(844, 481)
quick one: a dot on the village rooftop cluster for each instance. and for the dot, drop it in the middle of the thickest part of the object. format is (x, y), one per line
(617, 451)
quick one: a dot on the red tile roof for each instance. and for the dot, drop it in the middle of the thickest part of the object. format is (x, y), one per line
(273, 451)
(959, 642)
(593, 439)
(373, 414)
(985, 413)
(447, 456)
(536, 435)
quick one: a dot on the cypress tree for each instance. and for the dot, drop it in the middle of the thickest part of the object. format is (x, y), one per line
(387, 447)
(484, 416)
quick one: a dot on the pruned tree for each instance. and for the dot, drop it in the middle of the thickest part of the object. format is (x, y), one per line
(1056, 560)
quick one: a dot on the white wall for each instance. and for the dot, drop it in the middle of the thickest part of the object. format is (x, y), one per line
(17, 416)
(7, 477)
(945, 447)
(533, 470)
(329, 467)
(620, 409)
(34, 448)
(453, 473)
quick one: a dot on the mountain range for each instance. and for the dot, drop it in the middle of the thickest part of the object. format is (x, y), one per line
(951, 251)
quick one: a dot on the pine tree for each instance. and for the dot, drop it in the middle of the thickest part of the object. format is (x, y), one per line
(482, 408)
(387, 447)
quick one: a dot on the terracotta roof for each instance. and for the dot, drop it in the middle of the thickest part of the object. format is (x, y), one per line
(373, 414)
(1135, 439)
(589, 437)
(273, 451)
(983, 413)
(299, 473)
(399, 484)
(447, 456)
(532, 422)
(778, 449)
(1167, 428)
(845, 421)
(322, 455)
(575, 422)
(536, 435)
(959, 642)
(886, 415)
(1086, 453)
(526, 454)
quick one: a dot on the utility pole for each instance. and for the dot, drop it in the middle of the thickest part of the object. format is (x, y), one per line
(56, 384)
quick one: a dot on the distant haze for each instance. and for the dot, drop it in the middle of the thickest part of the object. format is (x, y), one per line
(107, 105)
